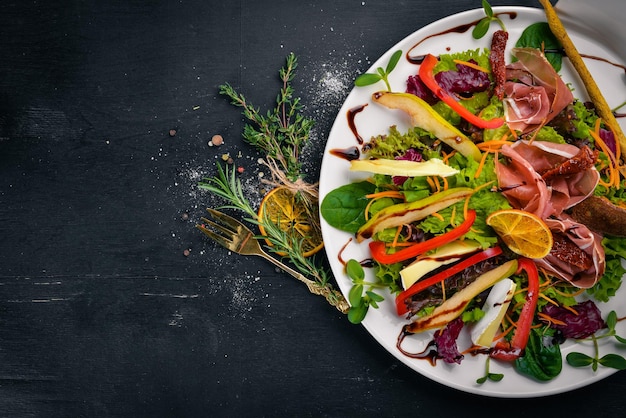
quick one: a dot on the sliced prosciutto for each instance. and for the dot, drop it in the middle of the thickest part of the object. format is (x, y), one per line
(577, 255)
(546, 178)
(534, 92)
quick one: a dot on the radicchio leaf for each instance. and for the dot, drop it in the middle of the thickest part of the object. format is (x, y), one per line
(585, 323)
(445, 340)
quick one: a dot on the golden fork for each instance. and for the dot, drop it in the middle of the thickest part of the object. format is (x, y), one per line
(235, 236)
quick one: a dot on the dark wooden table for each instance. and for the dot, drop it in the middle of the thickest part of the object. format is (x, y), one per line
(111, 302)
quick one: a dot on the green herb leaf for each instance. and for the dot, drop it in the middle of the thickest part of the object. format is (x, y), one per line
(613, 361)
(357, 314)
(576, 359)
(481, 28)
(393, 61)
(487, 8)
(611, 320)
(355, 296)
(354, 270)
(495, 377)
(481, 380)
(375, 297)
(381, 73)
(367, 79)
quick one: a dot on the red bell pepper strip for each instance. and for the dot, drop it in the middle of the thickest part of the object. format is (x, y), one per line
(428, 77)
(378, 248)
(401, 306)
(511, 350)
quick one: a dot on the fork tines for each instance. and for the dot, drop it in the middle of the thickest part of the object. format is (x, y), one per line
(223, 229)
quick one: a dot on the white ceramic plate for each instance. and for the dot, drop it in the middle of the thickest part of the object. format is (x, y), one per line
(383, 323)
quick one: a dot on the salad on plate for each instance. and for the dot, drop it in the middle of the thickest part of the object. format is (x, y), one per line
(492, 215)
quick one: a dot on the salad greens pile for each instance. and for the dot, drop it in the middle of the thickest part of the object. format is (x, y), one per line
(350, 206)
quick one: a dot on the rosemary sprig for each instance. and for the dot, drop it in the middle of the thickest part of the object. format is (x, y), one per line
(282, 132)
(227, 185)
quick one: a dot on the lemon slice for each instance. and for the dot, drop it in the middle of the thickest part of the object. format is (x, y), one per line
(523, 232)
(283, 208)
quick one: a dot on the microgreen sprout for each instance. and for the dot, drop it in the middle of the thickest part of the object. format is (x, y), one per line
(360, 301)
(482, 26)
(494, 377)
(381, 73)
(614, 361)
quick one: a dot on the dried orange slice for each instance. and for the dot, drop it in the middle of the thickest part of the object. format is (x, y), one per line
(282, 207)
(524, 233)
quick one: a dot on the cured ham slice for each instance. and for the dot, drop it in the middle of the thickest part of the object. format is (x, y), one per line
(577, 255)
(535, 93)
(522, 185)
(545, 179)
(572, 176)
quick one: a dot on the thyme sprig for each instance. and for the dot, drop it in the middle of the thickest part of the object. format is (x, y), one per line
(282, 132)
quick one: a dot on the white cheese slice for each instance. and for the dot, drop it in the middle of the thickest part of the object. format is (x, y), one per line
(484, 330)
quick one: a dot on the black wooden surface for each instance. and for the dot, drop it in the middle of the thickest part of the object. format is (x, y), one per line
(101, 313)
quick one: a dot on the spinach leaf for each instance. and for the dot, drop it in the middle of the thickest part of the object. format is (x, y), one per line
(541, 361)
(538, 35)
(344, 207)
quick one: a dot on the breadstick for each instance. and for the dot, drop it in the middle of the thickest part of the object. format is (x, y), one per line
(602, 107)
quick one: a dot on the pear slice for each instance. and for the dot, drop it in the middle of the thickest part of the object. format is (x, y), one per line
(455, 305)
(406, 213)
(446, 254)
(425, 117)
(406, 168)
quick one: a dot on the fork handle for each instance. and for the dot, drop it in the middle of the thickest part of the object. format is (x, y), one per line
(334, 298)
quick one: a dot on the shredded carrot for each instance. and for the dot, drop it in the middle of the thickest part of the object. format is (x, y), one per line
(395, 238)
(493, 145)
(446, 157)
(614, 175)
(375, 196)
(549, 319)
(431, 183)
(604, 183)
(471, 65)
(465, 208)
(437, 215)
(452, 216)
(445, 183)
(543, 296)
(387, 193)
(572, 310)
(483, 186)
(504, 333)
(481, 165)
(511, 321)
(568, 295)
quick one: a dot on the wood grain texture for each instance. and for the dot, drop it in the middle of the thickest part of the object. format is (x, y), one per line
(101, 314)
